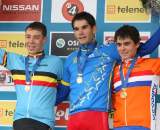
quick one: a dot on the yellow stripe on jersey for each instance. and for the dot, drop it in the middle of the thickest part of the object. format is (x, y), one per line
(65, 83)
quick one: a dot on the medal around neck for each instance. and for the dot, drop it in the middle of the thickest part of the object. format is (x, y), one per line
(123, 94)
(79, 79)
(27, 87)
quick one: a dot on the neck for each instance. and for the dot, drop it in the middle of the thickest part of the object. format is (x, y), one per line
(88, 45)
(35, 55)
(129, 59)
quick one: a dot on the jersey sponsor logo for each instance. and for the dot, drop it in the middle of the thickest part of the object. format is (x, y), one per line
(153, 104)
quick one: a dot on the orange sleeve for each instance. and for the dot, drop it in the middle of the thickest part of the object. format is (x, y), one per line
(156, 66)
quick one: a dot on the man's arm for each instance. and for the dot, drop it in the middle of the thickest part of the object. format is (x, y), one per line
(150, 44)
(63, 88)
(62, 92)
(3, 57)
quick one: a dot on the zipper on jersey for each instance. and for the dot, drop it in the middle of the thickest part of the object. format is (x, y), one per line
(125, 111)
(29, 98)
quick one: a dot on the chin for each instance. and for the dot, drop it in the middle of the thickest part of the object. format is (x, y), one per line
(31, 52)
(83, 43)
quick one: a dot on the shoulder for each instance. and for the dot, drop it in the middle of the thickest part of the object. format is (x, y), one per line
(53, 59)
(108, 46)
(72, 58)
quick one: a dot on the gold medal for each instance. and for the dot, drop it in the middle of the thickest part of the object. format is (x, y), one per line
(79, 80)
(27, 88)
(123, 94)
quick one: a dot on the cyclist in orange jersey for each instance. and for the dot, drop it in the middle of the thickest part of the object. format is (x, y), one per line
(135, 84)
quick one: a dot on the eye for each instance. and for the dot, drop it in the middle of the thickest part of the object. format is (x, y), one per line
(85, 26)
(76, 29)
(27, 36)
(118, 44)
(127, 43)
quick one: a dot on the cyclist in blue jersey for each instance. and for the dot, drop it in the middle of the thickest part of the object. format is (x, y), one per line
(88, 74)
(35, 77)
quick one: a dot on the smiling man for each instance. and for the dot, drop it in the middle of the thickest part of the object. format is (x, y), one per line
(35, 77)
(136, 81)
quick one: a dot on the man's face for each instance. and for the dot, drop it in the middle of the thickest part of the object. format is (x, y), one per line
(83, 32)
(127, 48)
(34, 40)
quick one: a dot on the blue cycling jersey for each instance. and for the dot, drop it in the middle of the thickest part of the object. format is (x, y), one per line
(39, 101)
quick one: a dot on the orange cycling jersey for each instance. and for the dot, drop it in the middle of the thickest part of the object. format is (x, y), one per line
(134, 104)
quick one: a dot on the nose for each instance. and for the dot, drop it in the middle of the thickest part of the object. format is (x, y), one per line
(30, 40)
(80, 32)
(122, 47)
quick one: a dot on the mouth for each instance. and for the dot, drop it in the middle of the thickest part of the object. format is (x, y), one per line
(82, 37)
(31, 48)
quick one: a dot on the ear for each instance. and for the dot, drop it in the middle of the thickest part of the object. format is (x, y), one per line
(44, 40)
(94, 29)
(137, 45)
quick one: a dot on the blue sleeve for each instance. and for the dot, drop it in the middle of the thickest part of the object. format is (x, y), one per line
(62, 93)
(63, 88)
(150, 44)
(111, 49)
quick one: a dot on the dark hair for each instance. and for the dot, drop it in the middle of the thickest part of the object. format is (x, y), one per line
(84, 16)
(127, 31)
(38, 26)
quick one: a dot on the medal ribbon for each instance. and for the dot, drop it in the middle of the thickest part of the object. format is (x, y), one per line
(125, 79)
(82, 56)
(35, 66)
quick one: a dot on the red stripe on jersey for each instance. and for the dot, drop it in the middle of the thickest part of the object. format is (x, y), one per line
(36, 83)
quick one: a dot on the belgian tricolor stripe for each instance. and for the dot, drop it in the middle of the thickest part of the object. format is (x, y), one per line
(46, 79)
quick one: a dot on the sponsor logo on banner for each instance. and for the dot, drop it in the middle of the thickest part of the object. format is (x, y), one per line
(109, 36)
(70, 8)
(63, 43)
(21, 10)
(117, 11)
(13, 42)
(6, 81)
(7, 109)
(66, 9)
(62, 111)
